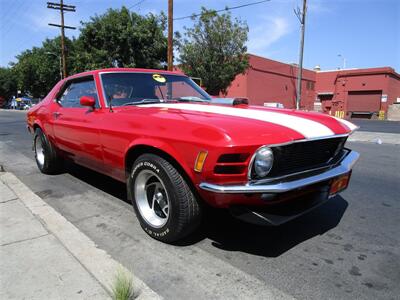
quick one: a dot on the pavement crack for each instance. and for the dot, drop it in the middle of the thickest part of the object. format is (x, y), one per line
(25, 240)
(9, 200)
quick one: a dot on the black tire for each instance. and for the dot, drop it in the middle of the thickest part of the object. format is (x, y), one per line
(51, 163)
(184, 209)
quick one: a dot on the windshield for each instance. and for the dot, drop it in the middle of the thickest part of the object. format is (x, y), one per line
(125, 88)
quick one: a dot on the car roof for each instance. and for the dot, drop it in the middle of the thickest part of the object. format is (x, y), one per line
(135, 70)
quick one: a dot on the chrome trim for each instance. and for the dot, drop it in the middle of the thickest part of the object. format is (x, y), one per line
(68, 80)
(253, 157)
(342, 168)
(102, 90)
(250, 167)
(128, 71)
(138, 72)
(327, 166)
(309, 140)
(288, 143)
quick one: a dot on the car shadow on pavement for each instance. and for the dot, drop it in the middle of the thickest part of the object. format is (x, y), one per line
(98, 180)
(230, 234)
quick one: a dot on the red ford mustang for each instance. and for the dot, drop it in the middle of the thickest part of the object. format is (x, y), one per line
(177, 149)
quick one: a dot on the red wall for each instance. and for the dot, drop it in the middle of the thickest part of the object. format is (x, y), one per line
(393, 89)
(238, 87)
(272, 81)
(340, 83)
(268, 80)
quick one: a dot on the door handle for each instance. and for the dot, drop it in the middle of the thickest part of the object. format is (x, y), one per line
(56, 114)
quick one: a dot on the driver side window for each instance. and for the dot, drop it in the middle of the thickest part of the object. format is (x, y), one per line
(74, 90)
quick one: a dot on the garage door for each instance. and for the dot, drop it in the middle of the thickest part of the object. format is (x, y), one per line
(364, 101)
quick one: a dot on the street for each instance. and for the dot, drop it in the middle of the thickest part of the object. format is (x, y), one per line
(377, 125)
(348, 248)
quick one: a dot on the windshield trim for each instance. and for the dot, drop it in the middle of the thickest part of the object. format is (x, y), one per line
(133, 72)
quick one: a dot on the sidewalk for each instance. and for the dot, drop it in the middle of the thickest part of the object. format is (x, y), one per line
(43, 256)
(375, 137)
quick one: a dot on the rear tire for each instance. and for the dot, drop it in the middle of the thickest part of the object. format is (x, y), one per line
(46, 156)
(165, 205)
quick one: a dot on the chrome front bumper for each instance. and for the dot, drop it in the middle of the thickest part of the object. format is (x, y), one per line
(341, 168)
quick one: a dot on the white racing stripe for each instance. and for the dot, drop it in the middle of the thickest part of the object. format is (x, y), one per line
(348, 124)
(306, 127)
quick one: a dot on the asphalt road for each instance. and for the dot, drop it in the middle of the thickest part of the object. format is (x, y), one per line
(348, 248)
(377, 126)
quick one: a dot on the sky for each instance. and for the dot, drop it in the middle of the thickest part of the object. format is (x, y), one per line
(364, 33)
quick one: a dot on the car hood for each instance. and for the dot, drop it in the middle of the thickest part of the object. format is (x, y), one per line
(252, 124)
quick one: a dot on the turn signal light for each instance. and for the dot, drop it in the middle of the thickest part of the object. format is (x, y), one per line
(201, 158)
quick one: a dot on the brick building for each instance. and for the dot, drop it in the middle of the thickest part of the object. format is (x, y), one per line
(358, 91)
(354, 91)
(271, 81)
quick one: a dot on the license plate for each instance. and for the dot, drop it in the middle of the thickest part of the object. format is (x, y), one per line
(339, 184)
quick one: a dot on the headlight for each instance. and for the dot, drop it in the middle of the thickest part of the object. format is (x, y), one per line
(263, 161)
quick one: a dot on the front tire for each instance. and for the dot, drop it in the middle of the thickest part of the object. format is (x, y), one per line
(46, 156)
(165, 205)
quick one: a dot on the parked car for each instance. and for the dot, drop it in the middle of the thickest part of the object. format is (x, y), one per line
(24, 103)
(177, 149)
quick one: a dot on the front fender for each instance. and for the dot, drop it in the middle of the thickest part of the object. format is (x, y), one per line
(185, 159)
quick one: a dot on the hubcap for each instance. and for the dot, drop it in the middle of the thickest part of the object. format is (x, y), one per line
(151, 198)
(39, 151)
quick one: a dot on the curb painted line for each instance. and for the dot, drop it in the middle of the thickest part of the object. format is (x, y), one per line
(96, 261)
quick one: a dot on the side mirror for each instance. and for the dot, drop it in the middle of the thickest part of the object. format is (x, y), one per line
(87, 101)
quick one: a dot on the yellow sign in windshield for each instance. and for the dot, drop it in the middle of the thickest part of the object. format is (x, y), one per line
(159, 78)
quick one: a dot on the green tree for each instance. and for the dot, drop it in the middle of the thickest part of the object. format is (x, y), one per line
(28, 72)
(8, 85)
(120, 38)
(214, 49)
(38, 69)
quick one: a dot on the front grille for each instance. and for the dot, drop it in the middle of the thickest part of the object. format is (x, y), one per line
(229, 169)
(231, 163)
(298, 157)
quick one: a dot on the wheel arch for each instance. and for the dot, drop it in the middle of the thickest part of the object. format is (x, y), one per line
(36, 126)
(142, 148)
(136, 150)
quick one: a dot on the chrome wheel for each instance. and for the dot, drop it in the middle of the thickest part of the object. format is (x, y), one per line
(151, 198)
(39, 151)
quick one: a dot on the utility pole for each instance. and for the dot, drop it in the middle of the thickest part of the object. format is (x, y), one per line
(301, 15)
(62, 7)
(170, 56)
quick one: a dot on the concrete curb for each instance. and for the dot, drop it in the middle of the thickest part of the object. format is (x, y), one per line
(96, 261)
(375, 137)
(14, 110)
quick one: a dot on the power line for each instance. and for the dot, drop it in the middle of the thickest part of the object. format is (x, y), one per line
(136, 4)
(225, 9)
(11, 14)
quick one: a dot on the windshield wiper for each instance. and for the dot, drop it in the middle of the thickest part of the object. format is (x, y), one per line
(190, 99)
(143, 101)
